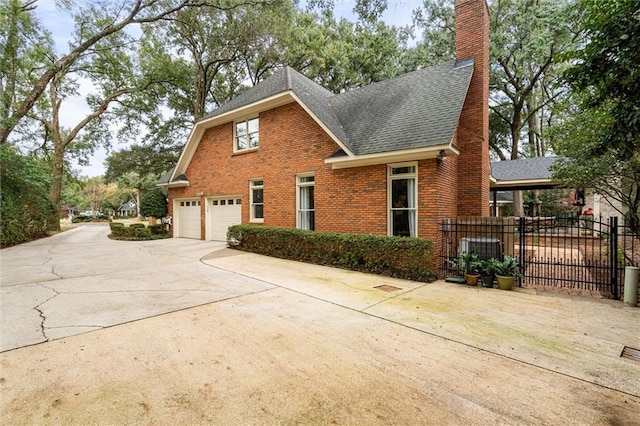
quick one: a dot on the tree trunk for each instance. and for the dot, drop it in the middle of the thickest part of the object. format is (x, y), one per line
(518, 207)
(56, 186)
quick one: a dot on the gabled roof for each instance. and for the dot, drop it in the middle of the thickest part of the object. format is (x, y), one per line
(524, 173)
(412, 116)
(313, 96)
(414, 110)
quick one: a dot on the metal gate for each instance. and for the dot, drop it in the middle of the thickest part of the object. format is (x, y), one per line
(575, 255)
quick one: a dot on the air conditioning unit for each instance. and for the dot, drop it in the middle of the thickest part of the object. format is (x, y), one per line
(485, 247)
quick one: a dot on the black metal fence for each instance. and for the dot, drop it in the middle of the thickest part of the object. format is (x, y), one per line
(578, 255)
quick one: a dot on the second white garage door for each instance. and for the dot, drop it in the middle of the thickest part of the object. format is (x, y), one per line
(223, 212)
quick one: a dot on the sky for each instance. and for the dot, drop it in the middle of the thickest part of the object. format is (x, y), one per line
(61, 26)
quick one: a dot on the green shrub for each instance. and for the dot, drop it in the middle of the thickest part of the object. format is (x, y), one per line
(154, 204)
(407, 258)
(25, 207)
(84, 219)
(136, 232)
(157, 229)
(142, 232)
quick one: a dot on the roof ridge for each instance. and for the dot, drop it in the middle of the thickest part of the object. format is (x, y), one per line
(287, 73)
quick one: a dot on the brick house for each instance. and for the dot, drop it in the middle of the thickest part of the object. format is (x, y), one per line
(392, 158)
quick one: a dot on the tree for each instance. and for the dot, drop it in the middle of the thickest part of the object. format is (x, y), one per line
(115, 18)
(526, 39)
(95, 190)
(436, 18)
(144, 160)
(24, 51)
(154, 204)
(601, 138)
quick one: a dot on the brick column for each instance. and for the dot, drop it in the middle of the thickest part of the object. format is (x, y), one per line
(472, 41)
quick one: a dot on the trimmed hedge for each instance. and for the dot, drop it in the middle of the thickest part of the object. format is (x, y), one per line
(135, 232)
(400, 257)
(82, 219)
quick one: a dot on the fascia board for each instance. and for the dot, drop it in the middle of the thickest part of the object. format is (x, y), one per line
(392, 156)
(532, 183)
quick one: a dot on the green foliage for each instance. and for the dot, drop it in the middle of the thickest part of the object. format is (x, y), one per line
(136, 232)
(154, 204)
(85, 219)
(407, 258)
(601, 136)
(509, 267)
(157, 229)
(24, 199)
(469, 263)
(142, 159)
(607, 71)
(436, 19)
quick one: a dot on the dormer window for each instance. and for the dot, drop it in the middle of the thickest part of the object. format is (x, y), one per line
(246, 134)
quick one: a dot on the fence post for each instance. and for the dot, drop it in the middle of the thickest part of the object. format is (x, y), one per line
(522, 243)
(613, 256)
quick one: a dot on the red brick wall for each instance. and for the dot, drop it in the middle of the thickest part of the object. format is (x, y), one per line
(291, 142)
(350, 200)
(472, 41)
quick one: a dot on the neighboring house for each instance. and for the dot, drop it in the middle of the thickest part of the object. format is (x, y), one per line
(393, 158)
(127, 209)
(503, 200)
(67, 211)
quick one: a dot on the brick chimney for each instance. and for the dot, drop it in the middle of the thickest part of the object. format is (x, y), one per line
(472, 137)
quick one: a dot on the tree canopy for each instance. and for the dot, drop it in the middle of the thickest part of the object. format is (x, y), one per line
(601, 134)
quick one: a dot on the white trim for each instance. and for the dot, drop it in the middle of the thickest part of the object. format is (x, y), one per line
(303, 185)
(413, 154)
(390, 178)
(523, 182)
(252, 219)
(245, 120)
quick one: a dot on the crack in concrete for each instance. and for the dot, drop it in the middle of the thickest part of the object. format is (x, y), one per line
(53, 272)
(38, 308)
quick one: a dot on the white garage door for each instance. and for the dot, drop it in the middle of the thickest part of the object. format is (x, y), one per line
(188, 218)
(223, 212)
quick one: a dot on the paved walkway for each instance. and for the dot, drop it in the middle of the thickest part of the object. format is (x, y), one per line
(279, 342)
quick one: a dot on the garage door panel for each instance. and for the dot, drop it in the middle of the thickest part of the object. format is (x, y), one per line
(188, 219)
(223, 214)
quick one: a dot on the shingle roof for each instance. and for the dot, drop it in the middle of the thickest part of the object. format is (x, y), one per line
(414, 110)
(418, 109)
(523, 169)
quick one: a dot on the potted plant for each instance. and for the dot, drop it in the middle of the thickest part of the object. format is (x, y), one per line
(488, 271)
(470, 265)
(506, 272)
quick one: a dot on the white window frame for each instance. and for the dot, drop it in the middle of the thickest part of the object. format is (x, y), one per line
(300, 223)
(246, 121)
(253, 185)
(412, 211)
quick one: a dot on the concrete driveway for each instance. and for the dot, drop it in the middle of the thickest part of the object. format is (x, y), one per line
(268, 341)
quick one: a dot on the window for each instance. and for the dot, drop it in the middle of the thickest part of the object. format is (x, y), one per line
(306, 202)
(402, 187)
(246, 134)
(256, 191)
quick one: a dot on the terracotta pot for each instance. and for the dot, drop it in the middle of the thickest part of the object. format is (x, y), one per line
(472, 279)
(505, 283)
